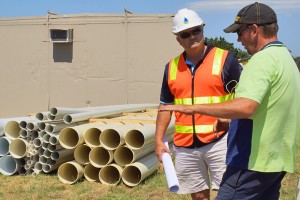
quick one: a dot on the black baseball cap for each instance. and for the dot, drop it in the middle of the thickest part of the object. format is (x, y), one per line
(256, 13)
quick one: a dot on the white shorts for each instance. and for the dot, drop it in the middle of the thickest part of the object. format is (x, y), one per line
(195, 166)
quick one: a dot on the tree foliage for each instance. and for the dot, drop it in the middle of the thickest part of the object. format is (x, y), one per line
(222, 43)
(242, 55)
(297, 60)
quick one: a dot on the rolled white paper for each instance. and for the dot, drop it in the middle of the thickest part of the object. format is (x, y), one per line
(169, 169)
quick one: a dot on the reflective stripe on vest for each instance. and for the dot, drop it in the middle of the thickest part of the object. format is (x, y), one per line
(174, 68)
(204, 100)
(216, 69)
(198, 128)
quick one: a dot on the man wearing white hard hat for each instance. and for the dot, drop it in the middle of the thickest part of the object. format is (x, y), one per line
(201, 74)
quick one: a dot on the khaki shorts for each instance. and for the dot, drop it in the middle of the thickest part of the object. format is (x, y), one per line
(195, 166)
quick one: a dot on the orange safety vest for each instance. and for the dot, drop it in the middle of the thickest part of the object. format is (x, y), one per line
(205, 87)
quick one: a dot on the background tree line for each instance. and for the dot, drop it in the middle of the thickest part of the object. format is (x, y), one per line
(241, 55)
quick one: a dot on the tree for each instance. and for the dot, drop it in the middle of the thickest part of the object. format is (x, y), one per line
(297, 60)
(222, 43)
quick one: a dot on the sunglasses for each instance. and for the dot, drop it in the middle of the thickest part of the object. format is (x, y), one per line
(240, 30)
(186, 35)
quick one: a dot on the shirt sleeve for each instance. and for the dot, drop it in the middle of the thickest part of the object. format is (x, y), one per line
(166, 97)
(231, 72)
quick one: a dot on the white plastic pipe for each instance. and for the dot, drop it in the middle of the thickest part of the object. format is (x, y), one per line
(100, 157)
(4, 145)
(42, 115)
(110, 174)
(12, 129)
(35, 158)
(23, 133)
(56, 127)
(48, 168)
(54, 147)
(62, 154)
(43, 159)
(42, 133)
(138, 171)
(47, 153)
(114, 135)
(37, 142)
(46, 138)
(23, 124)
(4, 121)
(81, 154)
(70, 172)
(123, 155)
(63, 110)
(18, 148)
(54, 117)
(54, 139)
(143, 134)
(38, 167)
(91, 173)
(111, 139)
(34, 134)
(32, 126)
(71, 118)
(71, 137)
(92, 137)
(42, 126)
(45, 145)
(8, 165)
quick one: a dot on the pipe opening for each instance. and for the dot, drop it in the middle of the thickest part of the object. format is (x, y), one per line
(135, 139)
(68, 138)
(109, 175)
(92, 137)
(110, 139)
(123, 156)
(131, 175)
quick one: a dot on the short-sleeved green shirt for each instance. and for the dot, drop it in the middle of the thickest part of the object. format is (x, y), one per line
(272, 79)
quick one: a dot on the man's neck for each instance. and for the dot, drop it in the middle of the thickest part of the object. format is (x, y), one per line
(264, 41)
(196, 56)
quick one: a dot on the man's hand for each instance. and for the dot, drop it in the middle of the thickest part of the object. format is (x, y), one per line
(221, 125)
(178, 108)
(161, 148)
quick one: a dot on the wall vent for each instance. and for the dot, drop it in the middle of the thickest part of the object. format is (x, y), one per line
(61, 35)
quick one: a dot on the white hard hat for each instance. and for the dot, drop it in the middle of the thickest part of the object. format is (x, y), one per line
(185, 19)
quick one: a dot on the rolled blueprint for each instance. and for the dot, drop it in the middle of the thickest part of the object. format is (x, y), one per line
(169, 169)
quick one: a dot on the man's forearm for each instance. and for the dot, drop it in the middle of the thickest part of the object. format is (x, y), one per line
(234, 109)
(162, 123)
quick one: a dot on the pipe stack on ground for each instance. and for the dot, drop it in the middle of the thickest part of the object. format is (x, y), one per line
(119, 146)
(105, 149)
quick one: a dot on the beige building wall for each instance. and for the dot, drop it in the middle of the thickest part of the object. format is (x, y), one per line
(113, 59)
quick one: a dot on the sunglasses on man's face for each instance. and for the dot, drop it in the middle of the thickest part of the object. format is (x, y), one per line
(240, 30)
(195, 31)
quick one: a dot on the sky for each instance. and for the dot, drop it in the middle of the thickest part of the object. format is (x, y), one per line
(217, 14)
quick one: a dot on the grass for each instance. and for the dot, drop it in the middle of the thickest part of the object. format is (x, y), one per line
(45, 186)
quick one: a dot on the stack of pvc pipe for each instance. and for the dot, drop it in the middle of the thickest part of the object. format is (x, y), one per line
(118, 148)
(112, 151)
(28, 147)
(30, 144)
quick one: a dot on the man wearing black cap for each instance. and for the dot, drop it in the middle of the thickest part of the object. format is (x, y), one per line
(264, 133)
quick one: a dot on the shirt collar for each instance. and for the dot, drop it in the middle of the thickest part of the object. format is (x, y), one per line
(275, 43)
